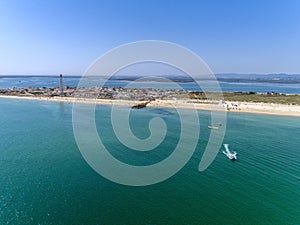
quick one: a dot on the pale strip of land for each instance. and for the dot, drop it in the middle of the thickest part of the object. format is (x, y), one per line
(243, 107)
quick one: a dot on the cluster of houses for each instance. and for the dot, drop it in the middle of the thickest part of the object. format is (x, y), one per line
(95, 92)
(126, 93)
(35, 91)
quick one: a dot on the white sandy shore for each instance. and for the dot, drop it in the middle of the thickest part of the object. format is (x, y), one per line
(245, 107)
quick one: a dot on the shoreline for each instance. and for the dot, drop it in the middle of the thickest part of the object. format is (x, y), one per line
(244, 107)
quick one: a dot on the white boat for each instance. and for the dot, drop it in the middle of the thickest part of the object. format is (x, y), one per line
(230, 155)
(213, 127)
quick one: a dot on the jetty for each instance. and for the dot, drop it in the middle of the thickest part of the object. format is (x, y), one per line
(140, 105)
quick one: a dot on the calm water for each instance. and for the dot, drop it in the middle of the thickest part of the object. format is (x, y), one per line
(289, 84)
(45, 180)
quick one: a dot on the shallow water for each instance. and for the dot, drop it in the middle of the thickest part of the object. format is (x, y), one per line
(45, 180)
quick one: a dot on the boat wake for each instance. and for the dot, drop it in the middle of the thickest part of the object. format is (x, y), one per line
(230, 155)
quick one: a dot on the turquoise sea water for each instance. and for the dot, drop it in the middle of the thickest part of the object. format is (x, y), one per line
(45, 180)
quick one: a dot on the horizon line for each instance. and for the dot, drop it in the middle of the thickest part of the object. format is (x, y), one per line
(76, 75)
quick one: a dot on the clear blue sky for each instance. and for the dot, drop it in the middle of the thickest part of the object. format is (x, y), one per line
(51, 36)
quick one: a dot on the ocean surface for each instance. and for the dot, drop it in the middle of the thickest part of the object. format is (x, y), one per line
(280, 83)
(45, 180)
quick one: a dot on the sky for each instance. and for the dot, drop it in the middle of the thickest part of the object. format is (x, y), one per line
(231, 36)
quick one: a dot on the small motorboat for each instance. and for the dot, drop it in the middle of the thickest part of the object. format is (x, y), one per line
(230, 155)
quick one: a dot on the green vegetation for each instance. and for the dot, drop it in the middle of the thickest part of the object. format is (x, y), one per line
(252, 97)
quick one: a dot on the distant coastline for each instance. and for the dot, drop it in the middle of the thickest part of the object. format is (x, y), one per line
(223, 77)
(269, 102)
(259, 83)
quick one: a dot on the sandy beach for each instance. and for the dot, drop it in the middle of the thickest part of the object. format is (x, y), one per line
(243, 107)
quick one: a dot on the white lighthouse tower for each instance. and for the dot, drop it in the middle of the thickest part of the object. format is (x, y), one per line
(61, 86)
